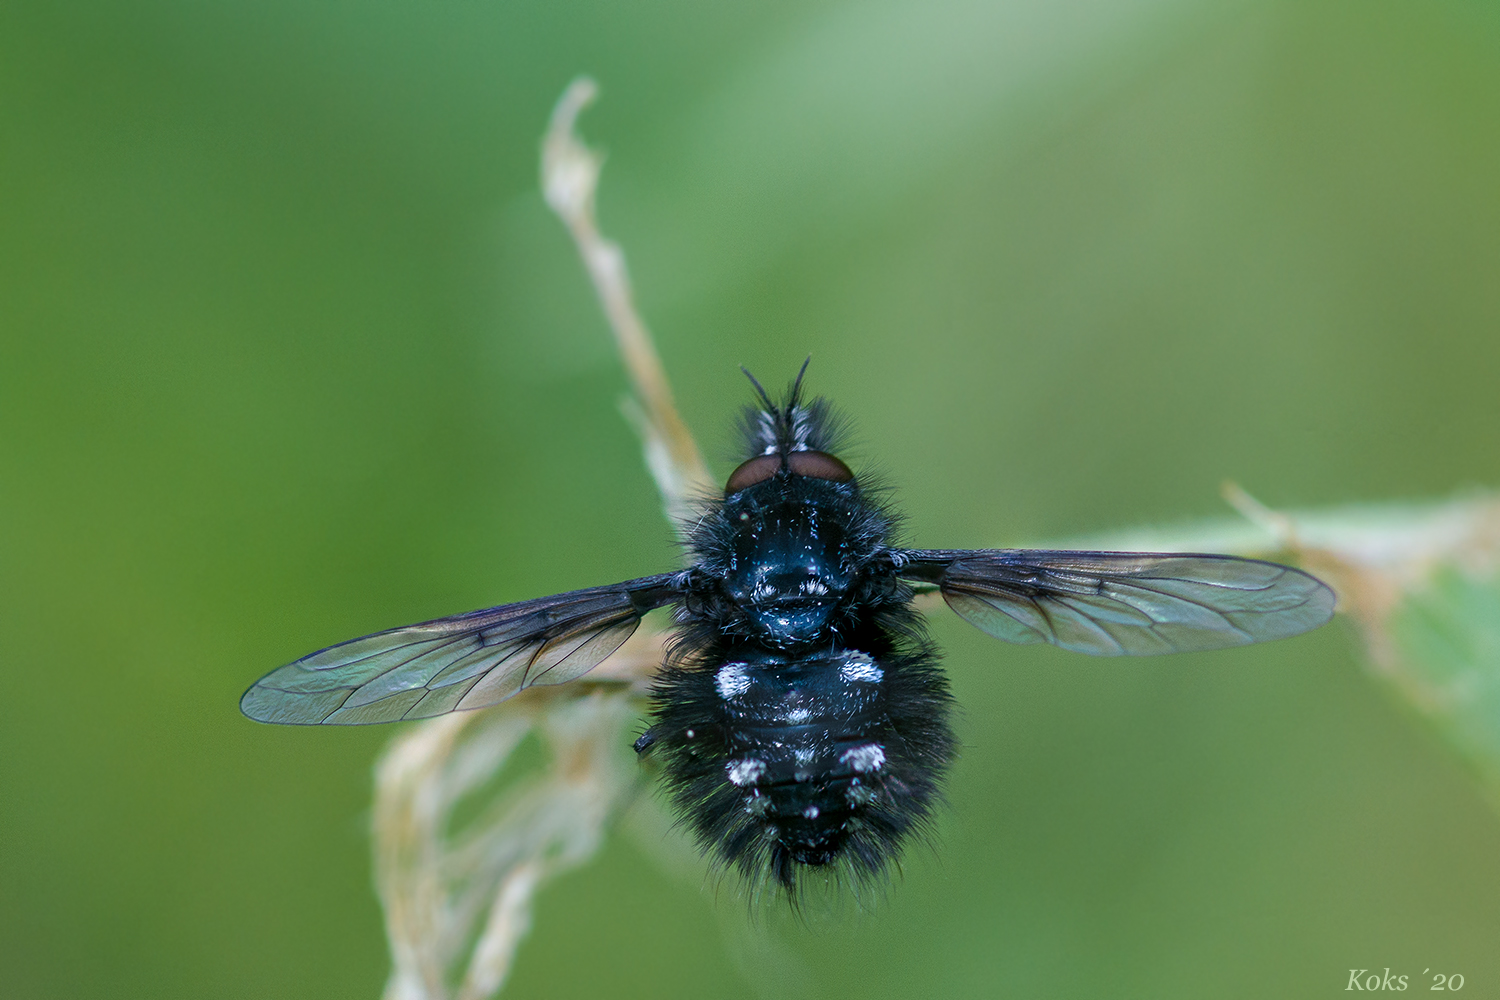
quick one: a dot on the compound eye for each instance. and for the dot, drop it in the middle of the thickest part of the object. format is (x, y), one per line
(819, 465)
(757, 470)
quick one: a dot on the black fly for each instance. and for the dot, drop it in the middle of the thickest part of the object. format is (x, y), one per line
(801, 717)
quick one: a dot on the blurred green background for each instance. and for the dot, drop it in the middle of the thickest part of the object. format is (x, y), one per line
(292, 351)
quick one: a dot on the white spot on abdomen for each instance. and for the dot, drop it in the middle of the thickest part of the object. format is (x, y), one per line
(745, 772)
(860, 667)
(732, 680)
(864, 758)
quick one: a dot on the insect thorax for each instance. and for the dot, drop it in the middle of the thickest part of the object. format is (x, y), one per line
(788, 561)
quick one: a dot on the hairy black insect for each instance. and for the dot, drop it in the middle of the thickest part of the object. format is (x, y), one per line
(801, 718)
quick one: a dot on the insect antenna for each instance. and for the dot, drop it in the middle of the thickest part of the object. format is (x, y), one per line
(773, 429)
(795, 394)
(765, 398)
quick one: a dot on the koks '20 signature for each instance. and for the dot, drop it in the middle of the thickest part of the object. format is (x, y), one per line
(1364, 979)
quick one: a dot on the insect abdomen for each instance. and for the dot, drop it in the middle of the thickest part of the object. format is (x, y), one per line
(780, 761)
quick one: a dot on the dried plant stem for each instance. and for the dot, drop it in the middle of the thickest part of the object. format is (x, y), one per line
(1280, 526)
(408, 809)
(440, 879)
(510, 919)
(570, 178)
(458, 899)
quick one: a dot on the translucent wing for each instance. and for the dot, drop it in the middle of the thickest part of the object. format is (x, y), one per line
(450, 664)
(1123, 603)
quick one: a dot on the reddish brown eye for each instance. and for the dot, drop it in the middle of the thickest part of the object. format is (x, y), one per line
(818, 465)
(757, 470)
(813, 464)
